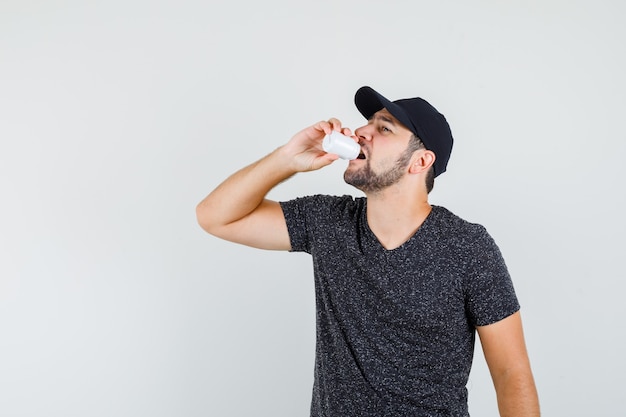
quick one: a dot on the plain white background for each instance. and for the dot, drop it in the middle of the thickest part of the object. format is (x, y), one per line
(118, 117)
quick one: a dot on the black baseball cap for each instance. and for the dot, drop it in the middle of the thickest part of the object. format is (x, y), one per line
(418, 116)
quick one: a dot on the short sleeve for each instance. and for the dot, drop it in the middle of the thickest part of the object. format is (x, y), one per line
(297, 224)
(489, 292)
(312, 221)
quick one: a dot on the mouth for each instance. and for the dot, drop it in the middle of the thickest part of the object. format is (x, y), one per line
(361, 154)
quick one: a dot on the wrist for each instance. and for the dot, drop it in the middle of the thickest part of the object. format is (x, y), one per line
(281, 162)
(284, 161)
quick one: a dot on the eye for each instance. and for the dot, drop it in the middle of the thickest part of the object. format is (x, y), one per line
(385, 129)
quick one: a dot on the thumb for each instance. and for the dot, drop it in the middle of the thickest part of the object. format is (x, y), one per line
(324, 160)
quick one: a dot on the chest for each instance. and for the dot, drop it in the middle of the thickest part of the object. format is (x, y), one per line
(420, 291)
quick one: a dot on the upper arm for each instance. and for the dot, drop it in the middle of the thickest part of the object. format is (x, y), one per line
(504, 346)
(505, 351)
(263, 228)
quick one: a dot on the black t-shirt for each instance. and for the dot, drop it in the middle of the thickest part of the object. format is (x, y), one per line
(396, 328)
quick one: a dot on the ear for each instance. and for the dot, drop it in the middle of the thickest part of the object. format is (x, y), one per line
(422, 161)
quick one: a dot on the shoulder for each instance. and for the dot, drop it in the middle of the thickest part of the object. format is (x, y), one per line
(455, 226)
(470, 240)
(313, 220)
(323, 205)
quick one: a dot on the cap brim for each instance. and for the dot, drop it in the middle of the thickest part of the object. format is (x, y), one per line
(368, 101)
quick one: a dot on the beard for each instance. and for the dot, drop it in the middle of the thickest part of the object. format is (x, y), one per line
(368, 181)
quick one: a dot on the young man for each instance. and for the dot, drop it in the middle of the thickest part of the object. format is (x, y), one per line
(402, 286)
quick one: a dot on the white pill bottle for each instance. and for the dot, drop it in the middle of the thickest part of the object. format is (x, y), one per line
(342, 145)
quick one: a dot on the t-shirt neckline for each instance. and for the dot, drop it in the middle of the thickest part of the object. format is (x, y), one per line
(407, 243)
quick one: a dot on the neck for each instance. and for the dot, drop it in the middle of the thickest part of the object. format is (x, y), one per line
(394, 216)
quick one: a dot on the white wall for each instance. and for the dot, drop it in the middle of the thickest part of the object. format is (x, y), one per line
(117, 117)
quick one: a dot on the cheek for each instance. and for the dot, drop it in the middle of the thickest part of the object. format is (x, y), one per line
(383, 161)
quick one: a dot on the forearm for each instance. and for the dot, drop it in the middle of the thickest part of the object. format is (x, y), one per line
(241, 193)
(237, 209)
(517, 394)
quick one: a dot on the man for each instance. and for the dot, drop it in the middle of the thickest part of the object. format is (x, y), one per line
(402, 286)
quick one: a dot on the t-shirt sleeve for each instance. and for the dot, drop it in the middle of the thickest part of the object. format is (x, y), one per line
(490, 295)
(295, 212)
(313, 220)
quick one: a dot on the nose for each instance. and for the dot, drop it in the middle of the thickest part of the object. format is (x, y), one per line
(364, 133)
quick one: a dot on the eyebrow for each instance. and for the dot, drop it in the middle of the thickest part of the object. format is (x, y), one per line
(383, 118)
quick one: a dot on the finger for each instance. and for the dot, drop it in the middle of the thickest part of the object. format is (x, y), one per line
(324, 126)
(325, 160)
(335, 123)
(347, 132)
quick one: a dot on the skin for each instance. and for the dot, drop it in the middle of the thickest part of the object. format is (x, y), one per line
(397, 204)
